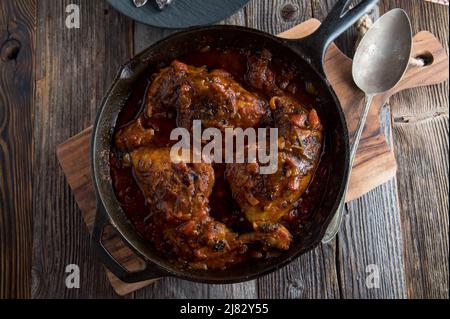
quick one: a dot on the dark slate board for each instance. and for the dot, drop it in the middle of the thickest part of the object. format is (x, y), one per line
(181, 13)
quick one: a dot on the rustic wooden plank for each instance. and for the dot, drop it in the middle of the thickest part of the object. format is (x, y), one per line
(421, 128)
(17, 36)
(422, 152)
(312, 276)
(277, 16)
(72, 77)
(370, 231)
(145, 36)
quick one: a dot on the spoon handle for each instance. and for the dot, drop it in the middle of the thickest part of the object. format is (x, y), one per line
(360, 128)
(335, 224)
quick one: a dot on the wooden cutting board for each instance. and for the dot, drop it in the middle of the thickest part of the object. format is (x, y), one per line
(375, 162)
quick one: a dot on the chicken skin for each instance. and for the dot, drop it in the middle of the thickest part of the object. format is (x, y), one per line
(265, 199)
(260, 75)
(178, 197)
(133, 136)
(213, 97)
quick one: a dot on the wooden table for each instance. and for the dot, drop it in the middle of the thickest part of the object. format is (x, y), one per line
(51, 82)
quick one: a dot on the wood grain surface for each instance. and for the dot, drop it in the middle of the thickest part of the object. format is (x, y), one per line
(17, 37)
(420, 135)
(74, 68)
(402, 226)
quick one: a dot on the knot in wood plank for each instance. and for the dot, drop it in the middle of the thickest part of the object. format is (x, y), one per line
(10, 50)
(289, 12)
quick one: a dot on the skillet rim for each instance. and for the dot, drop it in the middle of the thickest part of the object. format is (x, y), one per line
(98, 131)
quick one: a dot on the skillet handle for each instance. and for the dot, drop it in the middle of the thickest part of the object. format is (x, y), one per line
(101, 221)
(338, 20)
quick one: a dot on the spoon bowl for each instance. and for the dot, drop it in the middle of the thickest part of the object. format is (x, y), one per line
(383, 55)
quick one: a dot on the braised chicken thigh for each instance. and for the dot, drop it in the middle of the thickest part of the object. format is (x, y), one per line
(213, 97)
(134, 136)
(178, 195)
(266, 198)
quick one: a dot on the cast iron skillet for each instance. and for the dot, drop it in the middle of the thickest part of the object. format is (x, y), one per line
(308, 54)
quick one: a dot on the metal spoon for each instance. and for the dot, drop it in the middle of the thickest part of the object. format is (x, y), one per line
(379, 64)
